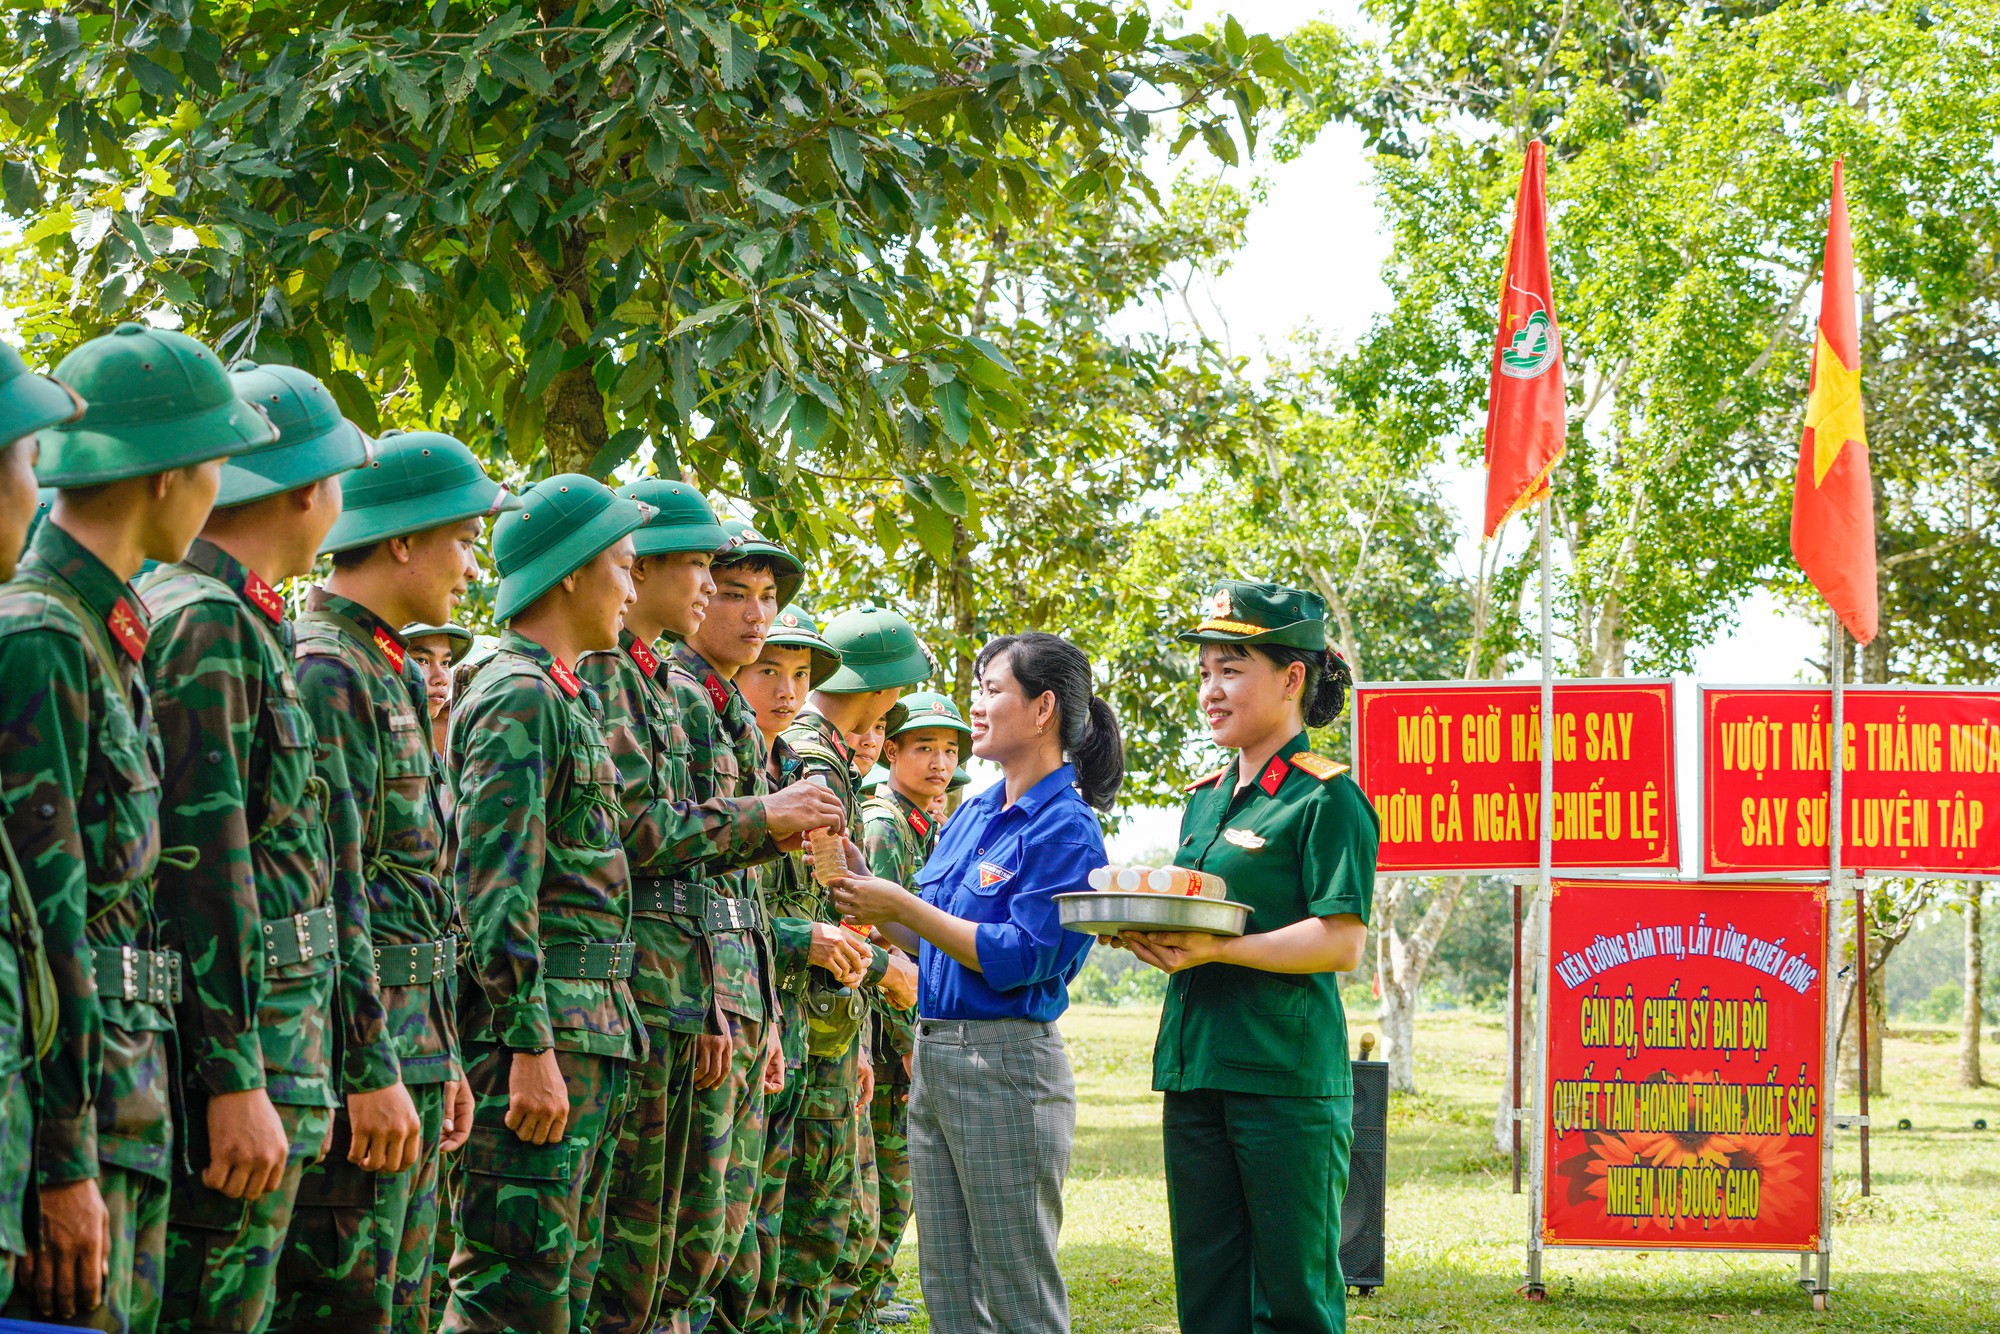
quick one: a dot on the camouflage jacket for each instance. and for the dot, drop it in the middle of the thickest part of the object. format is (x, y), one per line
(372, 725)
(80, 784)
(898, 839)
(539, 862)
(726, 759)
(667, 834)
(239, 784)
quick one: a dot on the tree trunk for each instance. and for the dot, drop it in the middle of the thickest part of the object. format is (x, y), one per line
(573, 427)
(1400, 962)
(1969, 1075)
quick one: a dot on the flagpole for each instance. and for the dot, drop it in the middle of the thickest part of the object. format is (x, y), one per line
(1834, 837)
(1545, 862)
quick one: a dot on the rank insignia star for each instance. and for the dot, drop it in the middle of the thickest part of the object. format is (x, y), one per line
(126, 628)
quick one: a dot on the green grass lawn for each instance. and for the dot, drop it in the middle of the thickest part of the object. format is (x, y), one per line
(1921, 1254)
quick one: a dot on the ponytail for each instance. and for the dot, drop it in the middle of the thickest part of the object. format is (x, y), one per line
(1050, 664)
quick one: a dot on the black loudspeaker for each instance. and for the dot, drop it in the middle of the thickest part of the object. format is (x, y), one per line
(1361, 1247)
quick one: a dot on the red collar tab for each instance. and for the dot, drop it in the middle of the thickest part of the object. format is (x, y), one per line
(264, 597)
(1274, 775)
(920, 822)
(718, 694)
(648, 662)
(391, 650)
(126, 627)
(565, 678)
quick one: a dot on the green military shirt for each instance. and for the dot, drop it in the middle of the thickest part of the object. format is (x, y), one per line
(251, 918)
(372, 726)
(726, 758)
(667, 834)
(79, 781)
(898, 838)
(539, 861)
(1297, 843)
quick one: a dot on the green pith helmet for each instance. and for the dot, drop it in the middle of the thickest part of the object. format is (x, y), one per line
(157, 399)
(1246, 613)
(878, 651)
(741, 542)
(417, 480)
(796, 629)
(561, 526)
(31, 402)
(314, 440)
(959, 778)
(460, 637)
(875, 778)
(926, 708)
(682, 519)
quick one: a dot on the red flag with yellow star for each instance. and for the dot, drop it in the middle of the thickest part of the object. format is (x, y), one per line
(1525, 418)
(1833, 504)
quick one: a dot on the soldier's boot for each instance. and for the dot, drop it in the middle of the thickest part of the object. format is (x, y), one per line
(531, 1216)
(725, 1163)
(647, 1173)
(222, 1254)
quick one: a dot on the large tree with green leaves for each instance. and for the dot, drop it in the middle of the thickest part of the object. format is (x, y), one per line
(573, 231)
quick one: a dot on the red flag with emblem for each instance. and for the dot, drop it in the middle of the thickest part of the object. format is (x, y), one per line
(1525, 411)
(1833, 502)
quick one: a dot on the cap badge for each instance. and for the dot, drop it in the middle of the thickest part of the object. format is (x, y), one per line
(1221, 604)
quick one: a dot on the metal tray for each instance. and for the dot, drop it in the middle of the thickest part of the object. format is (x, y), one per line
(1107, 913)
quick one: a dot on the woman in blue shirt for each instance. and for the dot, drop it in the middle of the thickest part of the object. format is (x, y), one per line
(993, 1107)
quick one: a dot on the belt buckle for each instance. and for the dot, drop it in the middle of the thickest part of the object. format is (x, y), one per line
(270, 944)
(159, 981)
(621, 958)
(304, 933)
(128, 965)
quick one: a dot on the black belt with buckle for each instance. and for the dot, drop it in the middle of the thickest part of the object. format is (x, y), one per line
(126, 972)
(682, 898)
(596, 960)
(416, 965)
(299, 938)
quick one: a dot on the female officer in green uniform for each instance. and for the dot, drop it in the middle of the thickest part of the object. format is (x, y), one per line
(1252, 1052)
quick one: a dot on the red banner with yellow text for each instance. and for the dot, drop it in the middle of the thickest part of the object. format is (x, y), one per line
(1920, 792)
(1455, 775)
(1686, 1060)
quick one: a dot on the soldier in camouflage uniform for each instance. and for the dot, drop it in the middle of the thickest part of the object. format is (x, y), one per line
(28, 403)
(438, 649)
(359, 1255)
(921, 752)
(80, 784)
(551, 1028)
(252, 919)
(829, 1204)
(727, 756)
(794, 659)
(672, 841)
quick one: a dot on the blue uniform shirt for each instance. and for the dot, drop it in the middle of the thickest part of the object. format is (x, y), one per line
(1002, 868)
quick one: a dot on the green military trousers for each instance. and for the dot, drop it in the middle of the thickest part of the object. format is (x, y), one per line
(137, 1205)
(647, 1175)
(1254, 1184)
(358, 1258)
(222, 1254)
(723, 1175)
(17, 1161)
(889, 1114)
(530, 1217)
(749, 1290)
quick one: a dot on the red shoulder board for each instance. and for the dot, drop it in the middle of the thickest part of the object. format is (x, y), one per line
(1206, 779)
(718, 694)
(126, 627)
(1273, 776)
(390, 648)
(263, 597)
(919, 822)
(1319, 766)
(565, 678)
(648, 662)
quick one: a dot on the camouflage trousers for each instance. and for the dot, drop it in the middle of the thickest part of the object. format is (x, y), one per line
(721, 1175)
(222, 1254)
(889, 1117)
(137, 1205)
(17, 1150)
(444, 1237)
(358, 1260)
(822, 1192)
(647, 1177)
(530, 1217)
(748, 1292)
